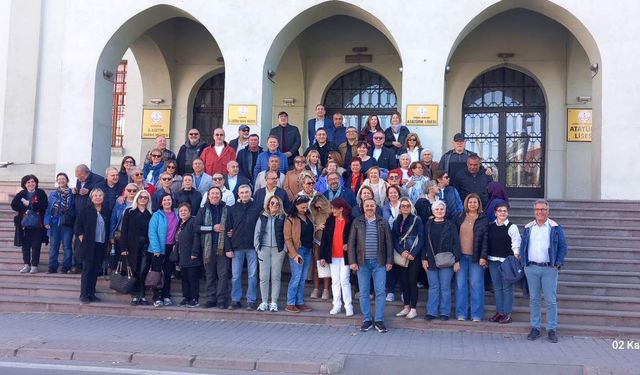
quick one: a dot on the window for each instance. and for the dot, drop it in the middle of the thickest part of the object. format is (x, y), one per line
(118, 109)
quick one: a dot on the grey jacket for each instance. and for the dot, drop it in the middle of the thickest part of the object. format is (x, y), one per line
(357, 241)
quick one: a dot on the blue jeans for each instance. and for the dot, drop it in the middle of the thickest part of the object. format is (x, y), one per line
(545, 280)
(369, 269)
(470, 273)
(439, 290)
(60, 234)
(295, 290)
(236, 274)
(503, 290)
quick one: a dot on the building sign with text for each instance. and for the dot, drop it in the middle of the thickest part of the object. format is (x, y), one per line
(422, 115)
(579, 125)
(156, 122)
(243, 114)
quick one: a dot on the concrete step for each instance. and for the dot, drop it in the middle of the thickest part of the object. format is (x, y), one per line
(609, 231)
(604, 252)
(599, 289)
(571, 301)
(632, 222)
(603, 241)
(601, 264)
(578, 204)
(618, 277)
(617, 213)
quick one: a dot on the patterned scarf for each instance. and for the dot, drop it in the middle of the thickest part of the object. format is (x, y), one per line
(207, 245)
(62, 202)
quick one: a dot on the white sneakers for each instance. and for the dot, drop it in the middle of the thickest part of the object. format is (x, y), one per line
(25, 269)
(273, 307)
(167, 302)
(263, 307)
(390, 297)
(34, 269)
(404, 312)
(335, 310)
(349, 310)
(412, 314)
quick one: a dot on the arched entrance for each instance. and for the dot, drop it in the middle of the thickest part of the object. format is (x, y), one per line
(503, 119)
(359, 94)
(208, 107)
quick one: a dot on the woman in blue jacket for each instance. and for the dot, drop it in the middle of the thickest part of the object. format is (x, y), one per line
(162, 237)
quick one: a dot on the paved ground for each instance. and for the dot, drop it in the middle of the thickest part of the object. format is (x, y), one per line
(296, 348)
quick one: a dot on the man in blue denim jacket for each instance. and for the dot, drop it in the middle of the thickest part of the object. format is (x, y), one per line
(543, 249)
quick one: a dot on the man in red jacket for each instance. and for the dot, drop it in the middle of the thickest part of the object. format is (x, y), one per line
(216, 156)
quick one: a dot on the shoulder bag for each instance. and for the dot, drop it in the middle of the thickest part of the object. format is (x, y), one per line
(30, 219)
(408, 243)
(443, 260)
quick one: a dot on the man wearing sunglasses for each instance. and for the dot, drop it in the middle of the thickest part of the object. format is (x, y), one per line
(216, 156)
(243, 139)
(190, 151)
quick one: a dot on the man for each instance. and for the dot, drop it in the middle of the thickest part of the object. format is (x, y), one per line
(165, 188)
(315, 124)
(201, 180)
(336, 190)
(211, 224)
(161, 144)
(385, 157)
(288, 137)
(242, 141)
(216, 156)
(455, 160)
(322, 145)
(262, 163)
(274, 165)
(261, 195)
(472, 180)
(111, 187)
(371, 255)
(542, 250)
(85, 182)
(337, 133)
(244, 216)
(189, 151)
(233, 179)
(349, 148)
(248, 157)
(227, 196)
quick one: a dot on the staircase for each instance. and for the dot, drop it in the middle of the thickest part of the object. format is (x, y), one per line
(598, 291)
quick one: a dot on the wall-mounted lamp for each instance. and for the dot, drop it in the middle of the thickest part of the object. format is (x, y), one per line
(108, 75)
(584, 99)
(288, 101)
(400, 70)
(270, 75)
(594, 69)
(156, 101)
(447, 69)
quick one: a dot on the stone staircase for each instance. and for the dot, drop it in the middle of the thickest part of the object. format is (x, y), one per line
(598, 291)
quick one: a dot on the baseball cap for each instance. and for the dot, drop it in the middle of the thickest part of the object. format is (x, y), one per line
(458, 137)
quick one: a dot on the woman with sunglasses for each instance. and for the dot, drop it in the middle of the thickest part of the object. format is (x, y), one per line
(413, 147)
(123, 174)
(137, 178)
(298, 237)
(152, 170)
(171, 167)
(165, 182)
(268, 239)
(292, 179)
(134, 238)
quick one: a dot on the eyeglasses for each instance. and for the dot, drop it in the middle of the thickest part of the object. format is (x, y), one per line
(245, 130)
(405, 206)
(219, 135)
(217, 178)
(541, 209)
(171, 167)
(194, 134)
(393, 177)
(137, 174)
(274, 203)
(132, 190)
(378, 138)
(143, 197)
(502, 211)
(166, 178)
(156, 155)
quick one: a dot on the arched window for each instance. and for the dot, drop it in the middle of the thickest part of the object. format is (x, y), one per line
(359, 94)
(208, 108)
(504, 122)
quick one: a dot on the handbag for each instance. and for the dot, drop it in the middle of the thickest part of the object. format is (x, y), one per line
(154, 277)
(65, 220)
(122, 283)
(443, 260)
(511, 270)
(30, 219)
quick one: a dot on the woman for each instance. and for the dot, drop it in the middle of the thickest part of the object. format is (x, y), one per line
(321, 185)
(313, 163)
(395, 135)
(441, 237)
(403, 170)
(30, 201)
(162, 237)
(152, 170)
(371, 126)
(188, 194)
(365, 160)
(408, 240)
(415, 185)
(448, 194)
(497, 195)
(365, 193)
(298, 237)
(430, 166)
(376, 184)
(291, 180)
(423, 205)
(337, 158)
(391, 208)
(171, 167)
(473, 228)
(58, 219)
(504, 240)
(354, 177)
(134, 240)
(268, 239)
(190, 254)
(333, 251)
(125, 165)
(92, 229)
(136, 176)
(413, 147)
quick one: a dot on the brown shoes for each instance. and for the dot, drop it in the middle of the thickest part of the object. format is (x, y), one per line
(303, 308)
(506, 319)
(292, 309)
(496, 318)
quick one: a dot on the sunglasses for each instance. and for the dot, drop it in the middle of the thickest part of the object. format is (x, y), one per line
(143, 197)
(171, 167)
(413, 139)
(219, 135)
(300, 162)
(166, 178)
(156, 156)
(405, 206)
(194, 134)
(378, 138)
(132, 190)
(137, 174)
(217, 178)
(274, 203)
(245, 130)
(393, 177)
(128, 162)
(309, 183)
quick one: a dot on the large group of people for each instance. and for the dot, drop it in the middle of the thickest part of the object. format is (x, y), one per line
(356, 212)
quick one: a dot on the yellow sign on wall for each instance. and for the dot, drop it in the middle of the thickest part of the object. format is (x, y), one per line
(243, 114)
(422, 115)
(156, 122)
(579, 125)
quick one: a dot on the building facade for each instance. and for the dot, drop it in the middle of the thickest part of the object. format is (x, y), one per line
(506, 73)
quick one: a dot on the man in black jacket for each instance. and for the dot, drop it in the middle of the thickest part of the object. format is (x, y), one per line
(86, 181)
(189, 151)
(233, 180)
(248, 156)
(473, 180)
(244, 215)
(322, 145)
(455, 160)
(288, 137)
(384, 156)
(242, 141)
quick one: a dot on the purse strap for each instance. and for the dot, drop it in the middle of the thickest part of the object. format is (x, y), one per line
(431, 244)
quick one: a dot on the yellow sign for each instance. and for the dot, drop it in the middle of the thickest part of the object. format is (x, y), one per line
(579, 125)
(156, 122)
(243, 114)
(422, 115)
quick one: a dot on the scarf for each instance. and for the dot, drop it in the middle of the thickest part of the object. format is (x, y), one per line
(396, 128)
(207, 244)
(62, 202)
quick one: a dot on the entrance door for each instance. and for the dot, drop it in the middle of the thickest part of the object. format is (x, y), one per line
(359, 94)
(208, 108)
(504, 123)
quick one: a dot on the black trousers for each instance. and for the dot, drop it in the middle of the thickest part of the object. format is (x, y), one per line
(409, 282)
(90, 268)
(145, 259)
(167, 267)
(31, 245)
(218, 280)
(191, 282)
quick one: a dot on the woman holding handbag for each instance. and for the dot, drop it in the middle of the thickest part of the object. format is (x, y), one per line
(59, 221)
(162, 237)
(408, 240)
(440, 259)
(134, 239)
(30, 203)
